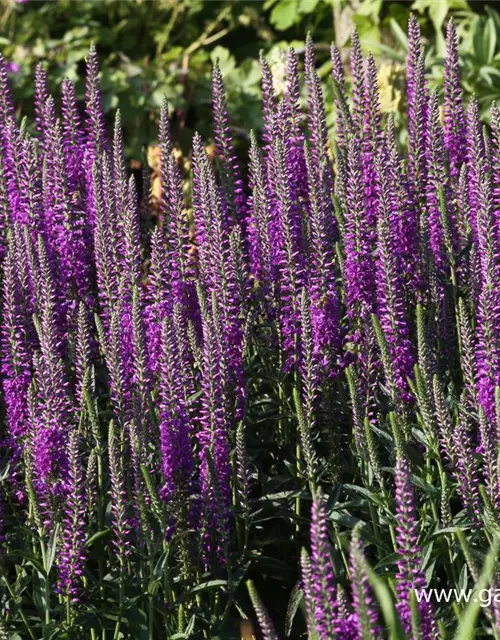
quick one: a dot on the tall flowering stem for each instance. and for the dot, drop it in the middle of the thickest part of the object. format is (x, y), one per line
(232, 183)
(454, 115)
(322, 577)
(366, 620)
(409, 576)
(391, 295)
(73, 554)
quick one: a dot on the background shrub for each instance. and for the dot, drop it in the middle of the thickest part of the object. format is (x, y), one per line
(149, 50)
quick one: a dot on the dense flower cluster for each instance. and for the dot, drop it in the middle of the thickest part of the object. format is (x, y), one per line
(141, 353)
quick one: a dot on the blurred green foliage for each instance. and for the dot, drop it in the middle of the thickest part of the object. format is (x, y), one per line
(149, 49)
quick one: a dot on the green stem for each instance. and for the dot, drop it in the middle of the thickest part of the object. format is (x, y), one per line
(121, 601)
(341, 548)
(47, 592)
(93, 633)
(151, 616)
(457, 314)
(68, 612)
(100, 525)
(387, 500)
(373, 518)
(297, 499)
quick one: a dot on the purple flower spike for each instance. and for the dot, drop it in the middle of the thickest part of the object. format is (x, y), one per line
(359, 267)
(338, 76)
(259, 220)
(454, 115)
(54, 401)
(6, 102)
(97, 140)
(291, 119)
(325, 303)
(232, 183)
(307, 588)
(372, 141)
(357, 75)
(73, 135)
(72, 554)
(290, 259)
(488, 323)
(495, 164)
(41, 96)
(418, 115)
(213, 435)
(409, 575)
(364, 605)
(292, 95)
(268, 103)
(16, 367)
(437, 179)
(322, 576)
(412, 62)
(403, 221)
(477, 167)
(391, 295)
(316, 109)
(466, 472)
(122, 525)
(174, 424)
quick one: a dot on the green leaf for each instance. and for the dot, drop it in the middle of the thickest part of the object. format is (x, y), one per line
(373, 497)
(368, 32)
(490, 39)
(285, 14)
(307, 6)
(438, 12)
(40, 592)
(159, 569)
(227, 63)
(296, 598)
(386, 603)
(51, 632)
(466, 628)
(370, 8)
(98, 536)
(137, 623)
(209, 585)
(52, 547)
(463, 578)
(158, 572)
(5, 473)
(190, 626)
(399, 34)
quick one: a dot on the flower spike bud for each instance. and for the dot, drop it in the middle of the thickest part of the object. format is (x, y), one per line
(454, 115)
